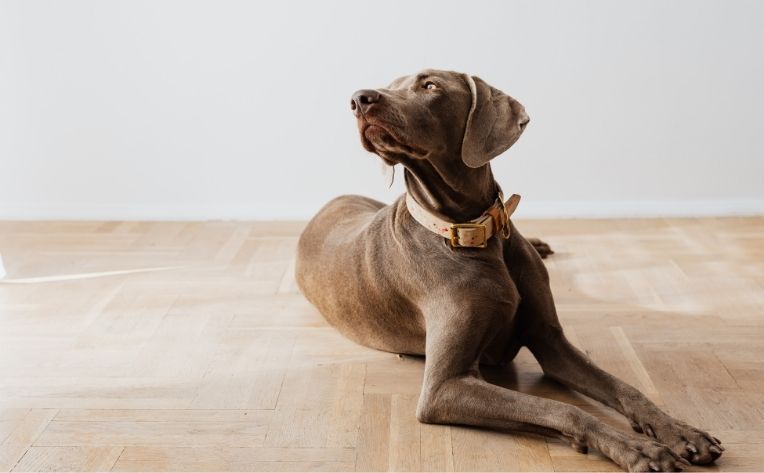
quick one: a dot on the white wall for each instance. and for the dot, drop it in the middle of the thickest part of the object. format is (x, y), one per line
(221, 109)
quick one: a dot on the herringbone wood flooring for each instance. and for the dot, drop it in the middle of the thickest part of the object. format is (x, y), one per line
(186, 346)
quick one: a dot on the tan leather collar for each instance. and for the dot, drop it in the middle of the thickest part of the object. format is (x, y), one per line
(472, 234)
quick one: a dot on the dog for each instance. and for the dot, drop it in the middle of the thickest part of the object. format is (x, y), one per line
(443, 272)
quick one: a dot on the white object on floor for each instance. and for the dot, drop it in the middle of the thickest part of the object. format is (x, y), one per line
(2, 268)
(72, 277)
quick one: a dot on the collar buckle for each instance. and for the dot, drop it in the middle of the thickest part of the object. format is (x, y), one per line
(479, 240)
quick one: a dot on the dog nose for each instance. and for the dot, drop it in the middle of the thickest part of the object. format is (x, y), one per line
(362, 100)
(523, 119)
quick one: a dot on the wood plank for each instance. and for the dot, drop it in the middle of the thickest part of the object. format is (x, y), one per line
(69, 459)
(480, 450)
(26, 430)
(405, 442)
(436, 449)
(224, 458)
(373, 450)
(249, 432)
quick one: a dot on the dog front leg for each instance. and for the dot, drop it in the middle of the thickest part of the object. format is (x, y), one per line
(562, 361)
(454, 393)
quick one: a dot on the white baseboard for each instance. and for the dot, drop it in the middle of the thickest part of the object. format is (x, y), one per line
(254, 211)
(285, 211)
(641, 208)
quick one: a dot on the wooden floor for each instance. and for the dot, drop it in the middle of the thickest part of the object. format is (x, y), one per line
(186, 346)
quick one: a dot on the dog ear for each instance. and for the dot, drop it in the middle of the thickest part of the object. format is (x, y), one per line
(489, 130)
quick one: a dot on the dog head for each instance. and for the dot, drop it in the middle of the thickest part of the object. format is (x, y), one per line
(438, 115)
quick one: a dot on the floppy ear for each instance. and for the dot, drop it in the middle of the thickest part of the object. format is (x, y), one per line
(489, 124)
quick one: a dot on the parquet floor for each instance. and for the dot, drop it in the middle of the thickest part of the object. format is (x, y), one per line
(186, 346)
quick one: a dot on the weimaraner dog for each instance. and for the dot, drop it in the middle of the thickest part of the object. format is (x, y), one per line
(444, 273)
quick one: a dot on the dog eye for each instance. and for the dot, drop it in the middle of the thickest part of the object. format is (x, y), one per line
(430, 85)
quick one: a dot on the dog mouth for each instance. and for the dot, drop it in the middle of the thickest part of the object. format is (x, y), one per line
(379, 138)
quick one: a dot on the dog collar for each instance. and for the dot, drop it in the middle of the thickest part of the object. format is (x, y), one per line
(472, 234)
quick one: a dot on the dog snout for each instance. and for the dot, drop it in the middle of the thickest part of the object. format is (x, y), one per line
(362, 100)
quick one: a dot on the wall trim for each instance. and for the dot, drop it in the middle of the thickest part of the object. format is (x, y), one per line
(297, 211)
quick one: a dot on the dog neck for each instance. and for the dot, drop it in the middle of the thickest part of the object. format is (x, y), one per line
(456, 193)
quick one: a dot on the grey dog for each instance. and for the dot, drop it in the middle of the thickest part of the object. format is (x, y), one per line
(384, 280)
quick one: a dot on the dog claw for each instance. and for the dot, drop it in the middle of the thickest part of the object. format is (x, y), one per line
(714, 449)
(685, 461)
(649, 431)
(654, 466)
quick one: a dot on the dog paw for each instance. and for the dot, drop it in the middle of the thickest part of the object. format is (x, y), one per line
(635, 452)
(647, 455)
(695, 445)
(542, 248)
